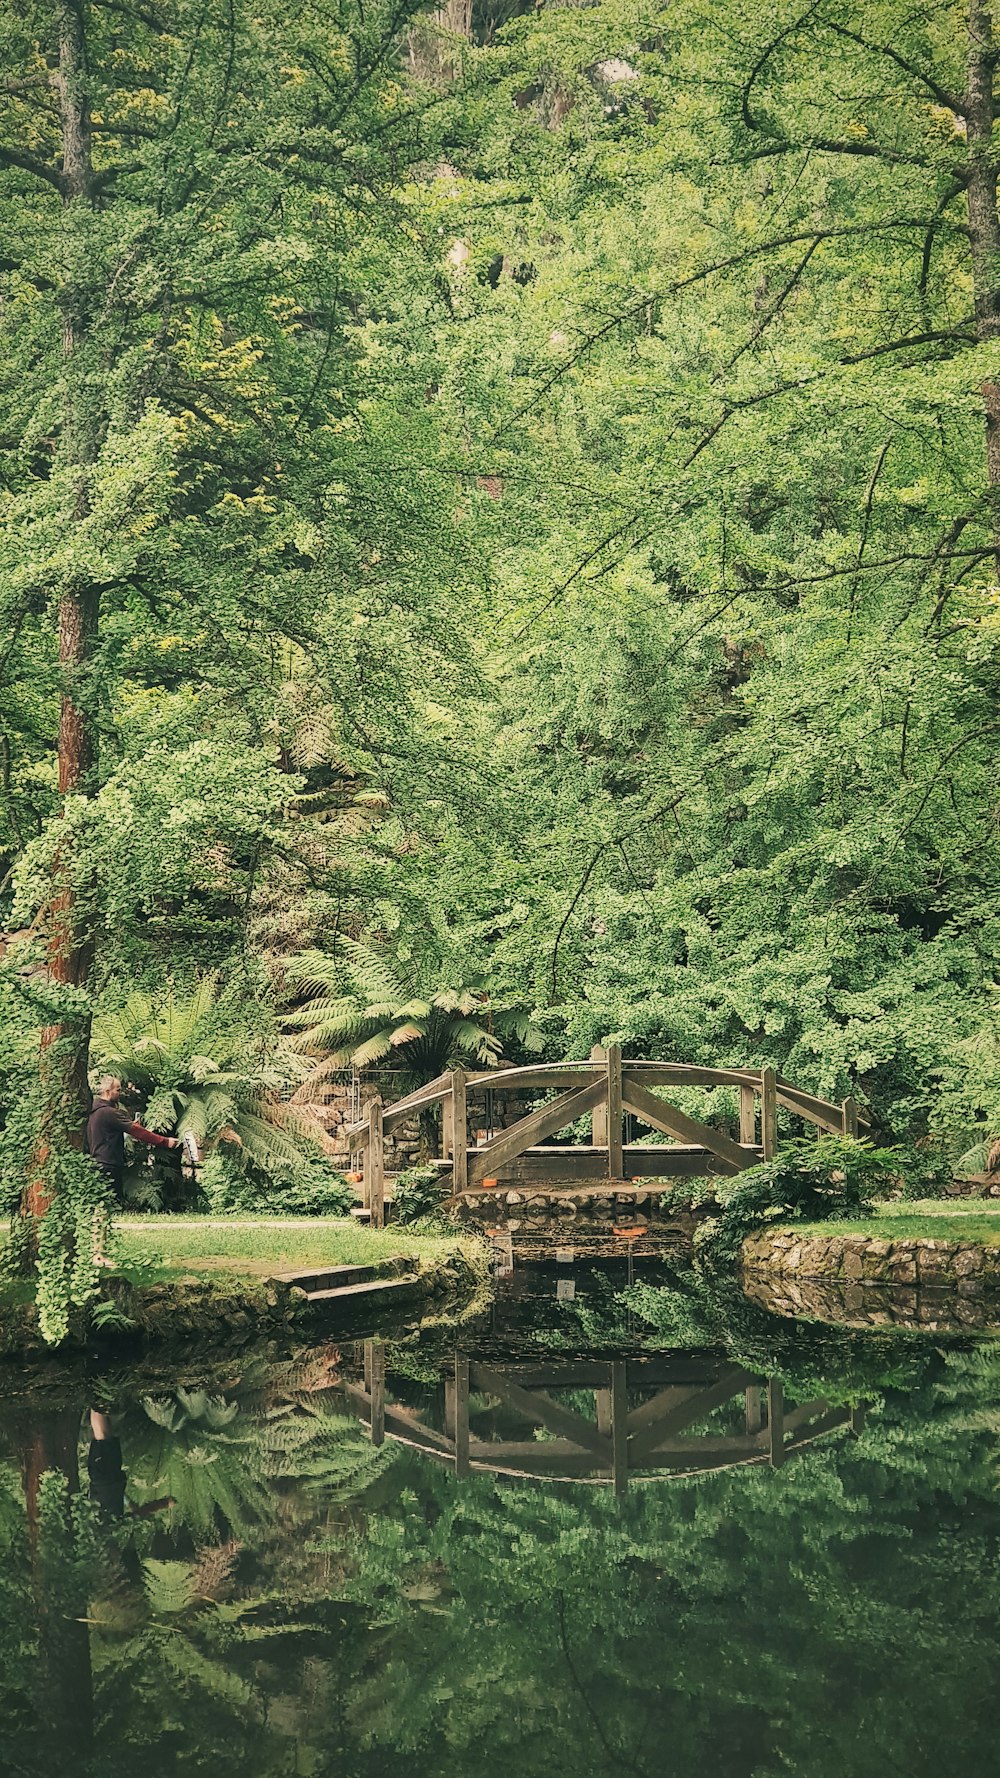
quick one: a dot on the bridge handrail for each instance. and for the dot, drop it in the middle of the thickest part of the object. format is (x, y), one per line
(570, 1075)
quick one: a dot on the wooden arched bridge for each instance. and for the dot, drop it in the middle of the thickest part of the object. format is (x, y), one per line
(606, 1088)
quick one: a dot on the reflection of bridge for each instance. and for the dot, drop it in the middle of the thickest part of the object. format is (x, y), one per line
(605, 1089)
(661, 1434)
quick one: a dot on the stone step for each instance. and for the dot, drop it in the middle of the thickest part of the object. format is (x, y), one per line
(377, 1286)
(327, 1277)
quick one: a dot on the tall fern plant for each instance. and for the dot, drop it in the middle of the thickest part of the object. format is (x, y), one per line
(360, 1010)
(200, 1072)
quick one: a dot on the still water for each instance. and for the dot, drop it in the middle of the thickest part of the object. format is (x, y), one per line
(619, 1529)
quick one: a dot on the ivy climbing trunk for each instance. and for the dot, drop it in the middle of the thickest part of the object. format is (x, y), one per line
(64, 1046)
(984, 225)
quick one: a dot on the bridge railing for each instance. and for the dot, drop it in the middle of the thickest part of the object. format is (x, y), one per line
(606, 1087)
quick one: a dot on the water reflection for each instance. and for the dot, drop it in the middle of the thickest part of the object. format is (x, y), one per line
(638, 1419)
(408, 1556)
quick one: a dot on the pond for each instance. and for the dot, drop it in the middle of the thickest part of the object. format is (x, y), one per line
(623, 1527)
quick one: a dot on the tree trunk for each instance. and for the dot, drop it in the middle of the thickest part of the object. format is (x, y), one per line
(64, 1047)
(984, 225)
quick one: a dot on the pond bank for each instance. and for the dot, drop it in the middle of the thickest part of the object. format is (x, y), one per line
(970, 1266)
(206, 1277)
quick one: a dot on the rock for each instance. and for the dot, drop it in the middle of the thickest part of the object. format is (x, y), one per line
(853, 1266)
(514, 1198)
(969, 1260)
(903, 1271)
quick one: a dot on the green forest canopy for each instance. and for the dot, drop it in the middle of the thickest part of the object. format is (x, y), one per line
(520, 491)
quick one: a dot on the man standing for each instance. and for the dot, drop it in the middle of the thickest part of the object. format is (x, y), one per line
(107, 1127)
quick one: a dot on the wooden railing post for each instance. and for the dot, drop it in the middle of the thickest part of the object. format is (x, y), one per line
(375, 1165)
(769, 1113)
(849, 1117)
(456, 1411)
(776, 1421)
(748, 1117)
(375, 1385)
(447, 1127)
(614, 1070)
(459, 1132)
(599, 1116)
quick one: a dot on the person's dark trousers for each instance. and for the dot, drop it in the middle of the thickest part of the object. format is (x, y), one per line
(114, 1178)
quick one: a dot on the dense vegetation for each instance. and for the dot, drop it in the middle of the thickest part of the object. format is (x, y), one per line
(516, 491)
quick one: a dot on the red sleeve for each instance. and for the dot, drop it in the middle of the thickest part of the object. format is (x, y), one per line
(142, 1135)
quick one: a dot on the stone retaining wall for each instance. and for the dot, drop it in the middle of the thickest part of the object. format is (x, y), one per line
(530, 1215)
(934, 1309)
(969, 1269)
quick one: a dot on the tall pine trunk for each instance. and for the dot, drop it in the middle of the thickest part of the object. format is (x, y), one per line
(984, 225)
(64, 1047)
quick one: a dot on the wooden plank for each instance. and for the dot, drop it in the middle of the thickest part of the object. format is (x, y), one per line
(696, 1408)
(602, 1403)
(806, 1411)
(569, 1168)
(595, 1373)
(541, 1410)
(461, 1414)
(568, 1076)
(619, 1427)
(509, 1143)
(674, 1122)
(816, 1111)
(664, 1402)
(680, 1074)
(776, 1421)
(768, 1113)
(375, 1379)
(404, 1108)
(754, 1413)
(849, 1117)
(614, 1102)
(599, 1120)
(748, 1116)
(375, 1166)
(459, 1132)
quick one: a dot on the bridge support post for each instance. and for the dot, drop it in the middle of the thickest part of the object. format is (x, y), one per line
(459, 1132)
(599, 1116)
(456, 1413)
(769, 1113)
(776, 1421)
(849, 1117)
(375, 1385)
(375, 1165)
(748, 1117)
(614, 1111)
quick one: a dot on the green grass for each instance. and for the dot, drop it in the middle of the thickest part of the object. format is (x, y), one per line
(935, 1219)
(175, 1244)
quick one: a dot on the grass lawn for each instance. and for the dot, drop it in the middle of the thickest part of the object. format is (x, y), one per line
(936, 1219)
(192, 1244)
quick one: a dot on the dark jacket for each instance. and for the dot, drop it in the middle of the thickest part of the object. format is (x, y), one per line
(107, 1127)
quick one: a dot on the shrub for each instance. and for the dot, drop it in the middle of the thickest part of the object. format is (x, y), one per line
(813, 1180)
(310, 1187)
(417, 1193)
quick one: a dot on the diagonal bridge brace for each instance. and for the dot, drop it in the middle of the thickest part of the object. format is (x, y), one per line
(676, 1123)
